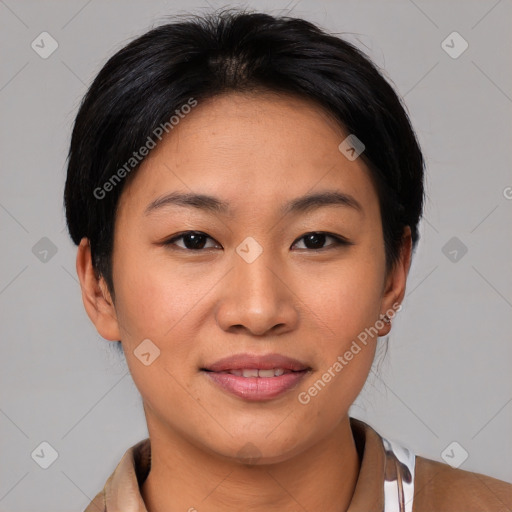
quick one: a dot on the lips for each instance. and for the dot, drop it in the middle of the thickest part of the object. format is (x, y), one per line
(248, 361)
(254, 372)
(256, 378)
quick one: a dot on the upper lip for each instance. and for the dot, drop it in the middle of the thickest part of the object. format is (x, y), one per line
(261, 362)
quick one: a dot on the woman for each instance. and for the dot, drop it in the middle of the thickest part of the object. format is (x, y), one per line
(208, 160)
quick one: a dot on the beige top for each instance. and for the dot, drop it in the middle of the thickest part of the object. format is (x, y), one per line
(391, 479)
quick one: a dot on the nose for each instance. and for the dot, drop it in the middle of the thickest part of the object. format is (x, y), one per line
(258, 298)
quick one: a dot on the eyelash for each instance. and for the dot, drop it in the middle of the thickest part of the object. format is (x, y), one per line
(338, 240)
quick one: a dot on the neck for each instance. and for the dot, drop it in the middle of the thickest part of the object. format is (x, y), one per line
(185, 478)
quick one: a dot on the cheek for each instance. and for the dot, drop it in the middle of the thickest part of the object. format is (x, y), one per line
(153, 297)
(344, 310)
(346, 300)
(344, 352)
(165, 304)
(156, 304)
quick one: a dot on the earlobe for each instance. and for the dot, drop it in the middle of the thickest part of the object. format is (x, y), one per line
(97, 300)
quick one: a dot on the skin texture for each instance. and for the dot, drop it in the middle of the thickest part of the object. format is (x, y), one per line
(255, 152)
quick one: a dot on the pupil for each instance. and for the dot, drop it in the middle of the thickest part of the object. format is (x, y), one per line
(317, 239)
(195, 241)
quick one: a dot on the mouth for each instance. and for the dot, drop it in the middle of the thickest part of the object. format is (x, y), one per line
(257, 372)
(256, 378)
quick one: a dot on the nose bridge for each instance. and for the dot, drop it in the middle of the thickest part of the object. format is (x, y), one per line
(255, 272)
(256, 297)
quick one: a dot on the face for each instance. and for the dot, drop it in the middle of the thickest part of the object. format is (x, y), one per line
(256, 276)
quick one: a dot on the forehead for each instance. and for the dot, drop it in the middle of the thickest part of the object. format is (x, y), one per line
(250, 149)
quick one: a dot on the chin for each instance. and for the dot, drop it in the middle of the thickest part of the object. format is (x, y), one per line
(259, 449)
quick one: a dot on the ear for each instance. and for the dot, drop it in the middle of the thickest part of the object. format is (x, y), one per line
(395, 282)
(95, 295)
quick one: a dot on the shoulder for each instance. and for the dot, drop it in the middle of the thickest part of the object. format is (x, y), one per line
(439, 487)
(97, 504)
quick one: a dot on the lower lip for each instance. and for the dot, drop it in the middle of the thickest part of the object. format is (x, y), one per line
(256, 388)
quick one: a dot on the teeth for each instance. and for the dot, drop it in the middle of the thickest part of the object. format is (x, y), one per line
(250, 373)
(254, 372)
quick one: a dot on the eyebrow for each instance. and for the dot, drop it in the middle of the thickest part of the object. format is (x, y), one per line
(212, 204)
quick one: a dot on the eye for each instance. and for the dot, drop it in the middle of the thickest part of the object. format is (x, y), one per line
(197, 241)
(316, 240)
(192, 240)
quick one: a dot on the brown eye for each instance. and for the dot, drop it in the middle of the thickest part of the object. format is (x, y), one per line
(317, 239)
(197, 241)
(192, 240)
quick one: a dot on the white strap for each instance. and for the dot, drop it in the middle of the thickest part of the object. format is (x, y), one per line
(399, 478)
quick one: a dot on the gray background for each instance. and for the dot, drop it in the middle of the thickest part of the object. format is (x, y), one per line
(446, 376)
